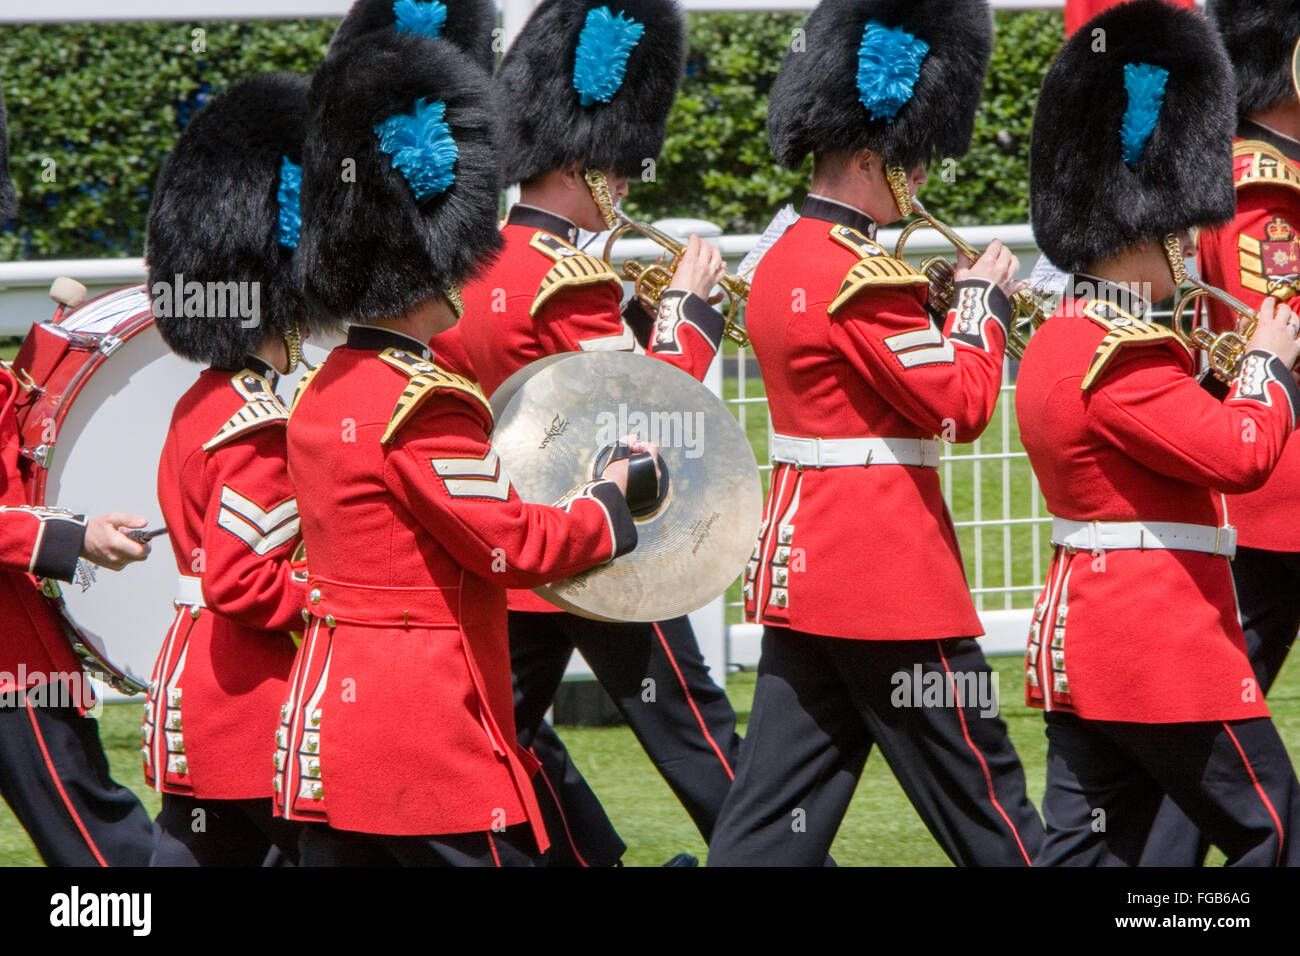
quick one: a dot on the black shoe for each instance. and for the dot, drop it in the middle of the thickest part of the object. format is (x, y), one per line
(683, 859)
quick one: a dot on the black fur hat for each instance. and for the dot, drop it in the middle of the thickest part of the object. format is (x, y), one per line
(225, 210)
(900, 77)
(1260, 36)
(589, 81)
(8, 201)
(466, 23)
(1134, 142)
(400, 180)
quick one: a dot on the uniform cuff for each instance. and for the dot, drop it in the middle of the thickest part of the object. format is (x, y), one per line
(679, 307)
(976, 302)
(1259, 369)
(59, 546)
(621, 525)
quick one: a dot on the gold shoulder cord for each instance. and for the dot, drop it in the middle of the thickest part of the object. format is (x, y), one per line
(425, 378)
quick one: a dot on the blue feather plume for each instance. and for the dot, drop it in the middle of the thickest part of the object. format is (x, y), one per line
(889, 64)
(1145, 85)
(421, 146)
(606, 41)
(287, 196)
(419, 16)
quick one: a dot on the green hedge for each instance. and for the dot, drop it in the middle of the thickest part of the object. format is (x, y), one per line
(97, 107)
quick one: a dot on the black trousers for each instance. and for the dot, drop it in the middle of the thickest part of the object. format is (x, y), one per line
(581, 832)
(194, 832)
(54, 776)
(1268, 598)
(820, 705)
(657, 678)
(1105, 781)
(321, 845)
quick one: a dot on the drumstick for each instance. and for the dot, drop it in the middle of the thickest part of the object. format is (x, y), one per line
(141, 536)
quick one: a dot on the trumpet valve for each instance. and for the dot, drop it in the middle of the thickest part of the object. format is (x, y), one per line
(940, 272)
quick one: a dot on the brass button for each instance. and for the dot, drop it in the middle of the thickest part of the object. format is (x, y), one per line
(315, 595)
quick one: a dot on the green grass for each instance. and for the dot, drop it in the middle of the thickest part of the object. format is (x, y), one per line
(880, 829)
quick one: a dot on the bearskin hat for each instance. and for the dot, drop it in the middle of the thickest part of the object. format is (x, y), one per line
(1131, 140)
(400, 178)
(467, 24)
(8, 201)
(589, 81)
(1261, 36)
(225, 211)
(900, 77)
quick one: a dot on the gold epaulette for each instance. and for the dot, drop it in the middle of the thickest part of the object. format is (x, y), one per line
(874, 267)
(303, 382)
(1258, 163)
(573, 267)
(1122, 330)
(261, 407)
(425, 379)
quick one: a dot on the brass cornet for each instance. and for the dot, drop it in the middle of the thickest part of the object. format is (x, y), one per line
(1225, 350)
(651, 282)
(1028, 308)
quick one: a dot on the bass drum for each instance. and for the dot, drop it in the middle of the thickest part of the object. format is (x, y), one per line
(100, 386)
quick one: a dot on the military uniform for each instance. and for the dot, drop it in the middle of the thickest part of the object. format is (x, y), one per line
(1135, 652)
(858, 387)
(1255, 256)
(398, 738)
(53, 773)
(223, 670)
(592, 82)
(543, 296)
(399, 720)
(1130, 466)
(223, 482)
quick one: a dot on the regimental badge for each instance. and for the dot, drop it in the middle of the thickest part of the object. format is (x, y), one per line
(1271, 265)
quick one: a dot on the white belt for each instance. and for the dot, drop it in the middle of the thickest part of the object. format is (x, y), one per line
(839, 452)
(189, 591)
(1144, 535)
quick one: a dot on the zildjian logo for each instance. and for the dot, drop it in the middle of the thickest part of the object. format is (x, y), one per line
(558, 426)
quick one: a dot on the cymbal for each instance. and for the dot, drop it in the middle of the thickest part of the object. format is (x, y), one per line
(554, 417)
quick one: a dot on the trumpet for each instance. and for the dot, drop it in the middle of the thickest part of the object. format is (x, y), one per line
(1225, 350)
(651, 282)
(1029, 309)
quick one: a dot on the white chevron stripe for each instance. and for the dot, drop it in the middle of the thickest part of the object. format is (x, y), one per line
(927, 347)
(260, 543)
(473, 477)
(263, 521)
(625, 341)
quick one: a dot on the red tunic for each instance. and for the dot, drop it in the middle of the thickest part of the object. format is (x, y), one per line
(543, 297)
(232, 519)
(401, 717)
(34, 543)
(848, 350)
(1254, 256)
(1141, 635)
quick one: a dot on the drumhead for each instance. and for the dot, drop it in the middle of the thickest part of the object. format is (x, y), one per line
(106, 457)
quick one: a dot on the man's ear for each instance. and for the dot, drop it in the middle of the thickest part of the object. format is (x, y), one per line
(864, 160)
(573, 175)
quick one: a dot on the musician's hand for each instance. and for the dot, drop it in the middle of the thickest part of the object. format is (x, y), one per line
(997, 265)
(1277, 331)
(616, 471)
(105, 544)
(700, 268)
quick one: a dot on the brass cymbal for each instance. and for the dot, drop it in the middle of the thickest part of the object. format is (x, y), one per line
(555, 416)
